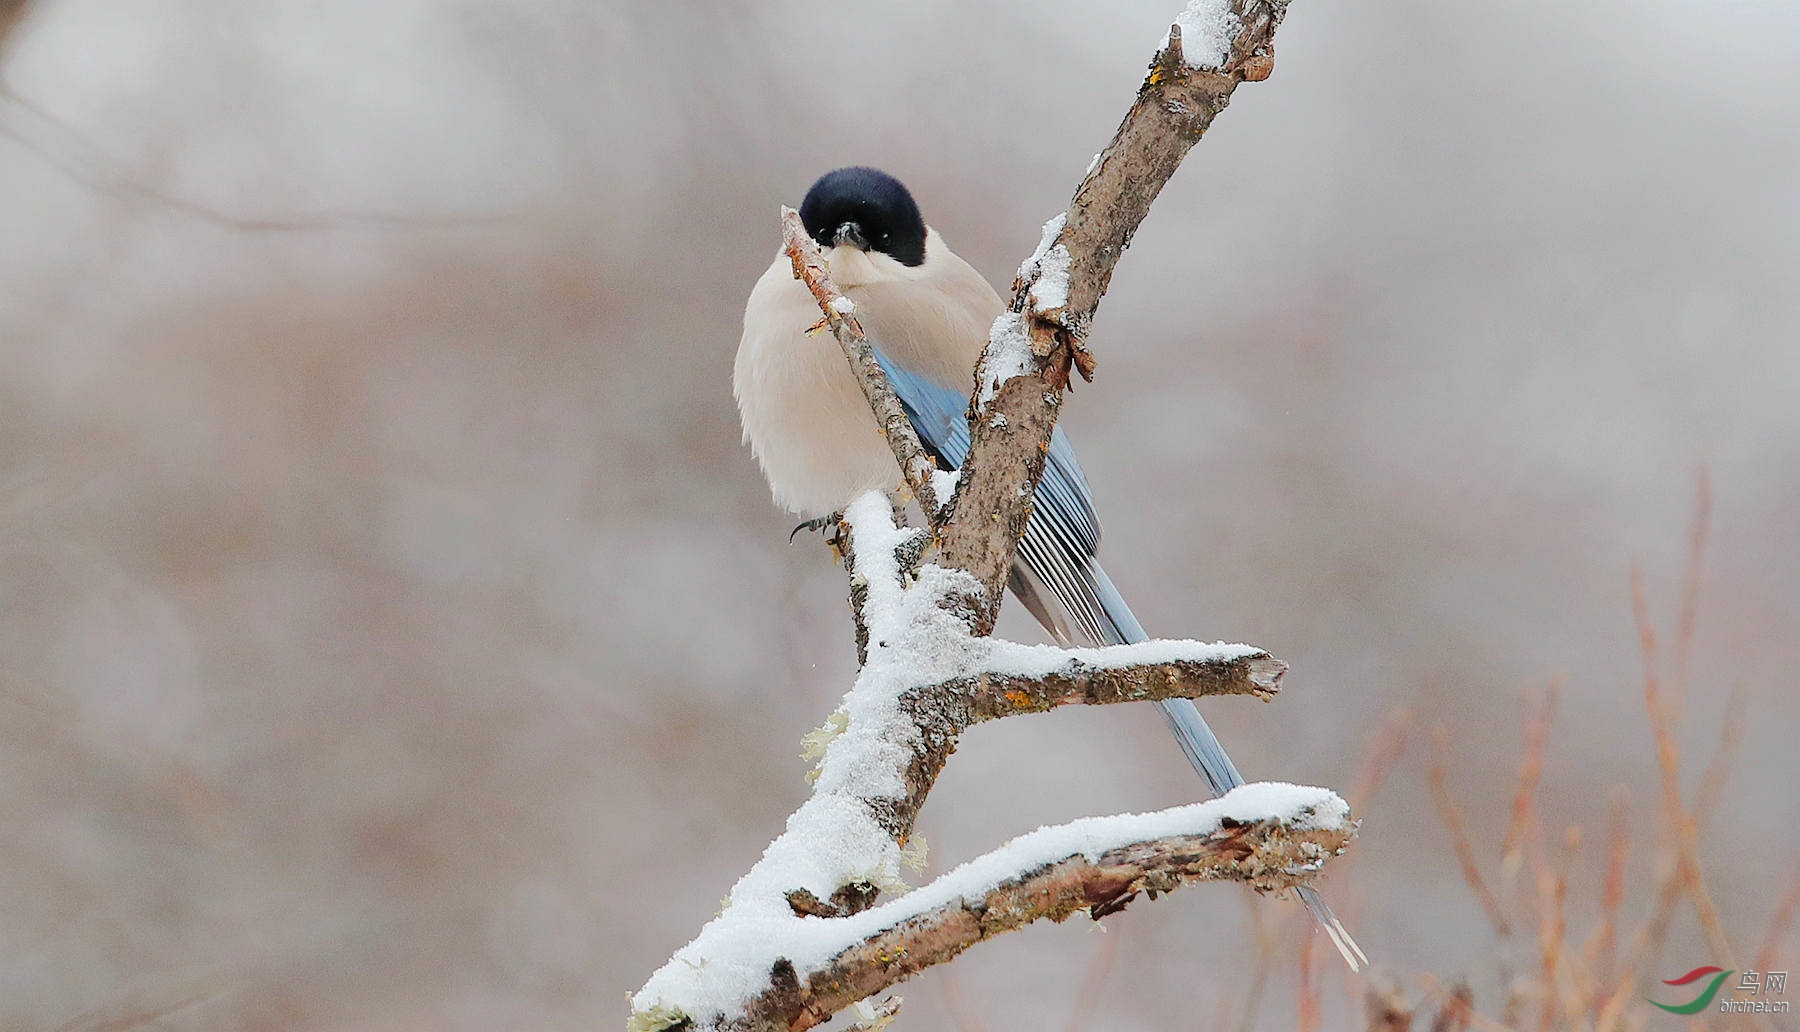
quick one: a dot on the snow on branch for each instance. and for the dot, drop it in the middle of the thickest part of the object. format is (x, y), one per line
(798, 940)
(1271, 836)
(800, 936)
(1034, 345)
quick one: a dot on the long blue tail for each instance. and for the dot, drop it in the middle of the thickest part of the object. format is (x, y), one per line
(1057, 557)
(1100, 612)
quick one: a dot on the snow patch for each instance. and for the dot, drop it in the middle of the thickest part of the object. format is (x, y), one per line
(1208, 29)
(1008, 355)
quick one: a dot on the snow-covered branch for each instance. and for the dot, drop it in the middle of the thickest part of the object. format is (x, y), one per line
(798, 939)
(1214, 45)
(1271, 836)
(800, 936)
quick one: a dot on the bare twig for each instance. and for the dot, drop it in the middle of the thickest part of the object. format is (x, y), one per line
(1438, 775)
(1307, 994)
(1389, 745)
(1687, 837)
(1612, 896)
(840, 314)
(1088, 681)
(1690, 587)
(1531, 773)
(1779, 922)
(1670, 883)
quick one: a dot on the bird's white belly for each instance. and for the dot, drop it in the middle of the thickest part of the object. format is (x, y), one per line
(804, 415)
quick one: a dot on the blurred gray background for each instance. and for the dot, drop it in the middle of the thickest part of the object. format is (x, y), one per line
(394, 633)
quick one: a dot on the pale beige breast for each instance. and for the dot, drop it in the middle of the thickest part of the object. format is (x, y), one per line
(804, 416)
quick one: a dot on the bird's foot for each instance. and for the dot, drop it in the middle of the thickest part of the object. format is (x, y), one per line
(832, 527)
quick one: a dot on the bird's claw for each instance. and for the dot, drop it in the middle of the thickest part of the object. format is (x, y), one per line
(814, 526)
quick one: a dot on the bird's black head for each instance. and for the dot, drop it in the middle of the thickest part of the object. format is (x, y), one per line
(867, 208)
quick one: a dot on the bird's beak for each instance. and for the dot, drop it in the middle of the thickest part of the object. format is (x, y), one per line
(852, 234)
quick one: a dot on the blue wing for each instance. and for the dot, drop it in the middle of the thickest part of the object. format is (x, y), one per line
(938, 413)
(1058, 550)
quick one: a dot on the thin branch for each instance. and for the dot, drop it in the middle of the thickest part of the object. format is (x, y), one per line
(1096, 677)
(1687, 836)
(840, 315)
(1778, 923)
(1690, 587)
(1618, 851)
(1438, 776)
(1531, 773)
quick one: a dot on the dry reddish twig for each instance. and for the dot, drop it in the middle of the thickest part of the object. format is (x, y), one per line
(1718, 767)
(1553, 927)
(1438, 775)
(1307, 1003)
(1668, 756)
(890, 416)
(1612, 895)
(1264, 935)
(1384, 753)
(1669, 884)
(1690, 587)
(1531, 773)
(1778, 923)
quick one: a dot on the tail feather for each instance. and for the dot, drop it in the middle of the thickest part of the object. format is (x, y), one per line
(1100, 612)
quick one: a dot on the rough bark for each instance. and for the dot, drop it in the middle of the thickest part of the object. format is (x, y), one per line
(1268, 855)
(1011, 435)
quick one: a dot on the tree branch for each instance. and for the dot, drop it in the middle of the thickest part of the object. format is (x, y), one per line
(1270, 854)
(1026, 366)
(840, 315)
(800, 937)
